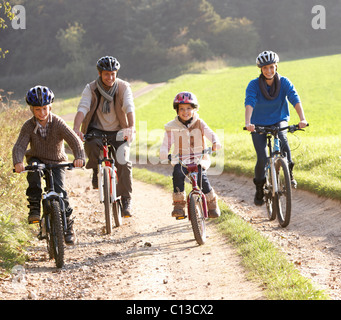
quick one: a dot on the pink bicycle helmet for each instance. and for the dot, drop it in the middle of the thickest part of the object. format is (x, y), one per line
(185, 97)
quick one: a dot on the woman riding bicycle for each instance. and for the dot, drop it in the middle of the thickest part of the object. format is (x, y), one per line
(187, 132)
(266, 104)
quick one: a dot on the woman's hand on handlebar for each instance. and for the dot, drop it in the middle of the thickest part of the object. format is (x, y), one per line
(302, 124)
(250, 127)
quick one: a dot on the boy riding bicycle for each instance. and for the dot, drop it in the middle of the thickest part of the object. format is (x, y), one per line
(187, 132)
(46, 132)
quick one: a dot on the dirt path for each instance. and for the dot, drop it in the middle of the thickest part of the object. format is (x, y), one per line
(152, 256)
(312, 241)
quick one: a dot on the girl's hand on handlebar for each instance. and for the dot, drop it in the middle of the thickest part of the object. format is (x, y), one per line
(216, 146)
(19, 167)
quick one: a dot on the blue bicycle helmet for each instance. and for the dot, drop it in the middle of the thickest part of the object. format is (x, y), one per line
(39, 96)
(108, 63)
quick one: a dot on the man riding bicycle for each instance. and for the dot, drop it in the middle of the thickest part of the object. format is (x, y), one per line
(107, 106)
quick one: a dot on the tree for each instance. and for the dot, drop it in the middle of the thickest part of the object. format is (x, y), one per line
(6, 9)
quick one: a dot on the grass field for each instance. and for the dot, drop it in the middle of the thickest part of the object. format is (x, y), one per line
(221, 96)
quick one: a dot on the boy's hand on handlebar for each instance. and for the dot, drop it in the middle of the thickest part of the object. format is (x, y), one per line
(78, 163)
(19, 167)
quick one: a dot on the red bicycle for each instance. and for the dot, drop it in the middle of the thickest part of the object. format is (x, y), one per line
(107, 181)
(196, 200)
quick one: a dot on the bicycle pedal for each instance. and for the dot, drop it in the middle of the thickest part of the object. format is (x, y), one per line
(181, 218)
(34, 222)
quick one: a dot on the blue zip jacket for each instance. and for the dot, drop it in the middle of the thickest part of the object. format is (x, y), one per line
(268, 112)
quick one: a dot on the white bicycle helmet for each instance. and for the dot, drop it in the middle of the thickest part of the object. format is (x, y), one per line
(267, 57)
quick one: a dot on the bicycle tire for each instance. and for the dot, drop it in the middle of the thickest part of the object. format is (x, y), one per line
(107, 204)
(56, 234)
(270, 204)
(283, 200)
(117, 212)
(197, 218)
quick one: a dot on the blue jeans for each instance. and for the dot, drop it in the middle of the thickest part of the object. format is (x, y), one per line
(259, 142)
(179, 179)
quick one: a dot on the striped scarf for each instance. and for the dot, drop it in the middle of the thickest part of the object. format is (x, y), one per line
(107, 95)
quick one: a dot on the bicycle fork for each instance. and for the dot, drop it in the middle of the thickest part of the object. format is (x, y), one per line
(112, 181)
(196, 190)
(273, 177)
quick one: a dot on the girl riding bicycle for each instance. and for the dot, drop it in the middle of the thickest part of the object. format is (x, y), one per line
(187, 133)
(46, 132)
(266, 104)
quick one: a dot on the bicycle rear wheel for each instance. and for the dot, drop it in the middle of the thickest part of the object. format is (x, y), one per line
(271, 207)
(55, 234)
(284, 192)
(197, 217)
(107, 204)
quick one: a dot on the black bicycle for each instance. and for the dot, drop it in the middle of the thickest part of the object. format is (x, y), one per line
(277, 188)
(53, 225)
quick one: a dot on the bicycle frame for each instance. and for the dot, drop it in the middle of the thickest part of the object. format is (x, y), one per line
(50, 194)
(192, 175)
(109, 164)
(275, 152)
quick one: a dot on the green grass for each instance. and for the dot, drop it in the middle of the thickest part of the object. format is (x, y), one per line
(263, 261)
(14, 231)
(221, 95)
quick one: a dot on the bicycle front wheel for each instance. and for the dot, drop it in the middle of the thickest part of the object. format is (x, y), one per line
(107, 204)
(55, 236)
(283, 197)
(196, 213)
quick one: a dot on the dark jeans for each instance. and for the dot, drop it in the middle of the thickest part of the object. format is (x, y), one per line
(34, 189)
(259, 142)
(179, 179)
(93, 149)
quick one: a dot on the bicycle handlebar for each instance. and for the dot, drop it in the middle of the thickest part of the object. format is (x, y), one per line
(274, 129)
(191, 155)
(42, 166)
(97, 135)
